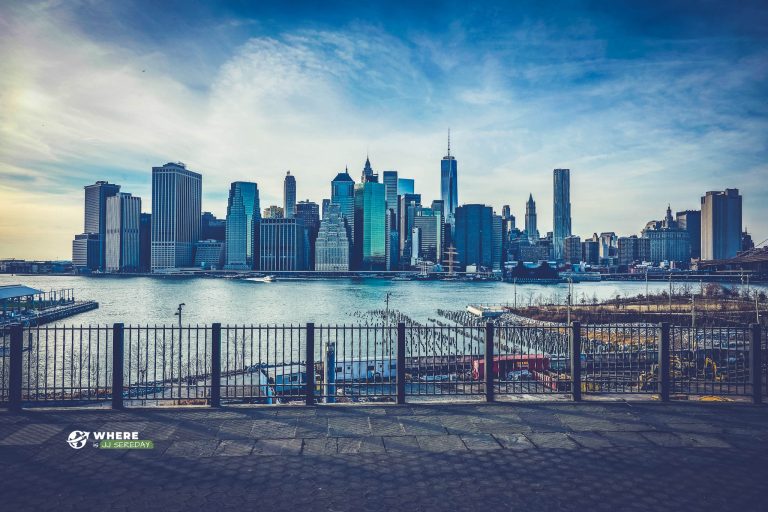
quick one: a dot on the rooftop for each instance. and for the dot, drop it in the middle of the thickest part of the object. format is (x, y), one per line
(14, 291)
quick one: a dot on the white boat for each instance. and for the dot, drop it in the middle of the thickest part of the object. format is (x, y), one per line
(265, 279)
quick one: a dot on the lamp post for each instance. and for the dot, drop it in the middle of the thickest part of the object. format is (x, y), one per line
(178, 314)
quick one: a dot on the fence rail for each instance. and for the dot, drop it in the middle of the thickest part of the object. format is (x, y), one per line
(123, 366)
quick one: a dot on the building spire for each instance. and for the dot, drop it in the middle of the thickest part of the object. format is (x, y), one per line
(449, 142)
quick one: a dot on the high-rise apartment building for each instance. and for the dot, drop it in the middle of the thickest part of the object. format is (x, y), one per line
(176, 212)
(243, 214)
(720, 224)
(562, 210)
(123, 242)
(289, 196)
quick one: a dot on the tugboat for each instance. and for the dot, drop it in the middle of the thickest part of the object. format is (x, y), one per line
(263, 279)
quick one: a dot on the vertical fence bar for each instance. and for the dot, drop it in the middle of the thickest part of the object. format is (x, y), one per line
(401, 363)
(489, 362)
(216, 365)
(664, 361)
(755, 363)
(310, 345)
(576, 361)
(15, 370)
(118, 333)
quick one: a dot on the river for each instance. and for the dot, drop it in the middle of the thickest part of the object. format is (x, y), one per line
(148, 300)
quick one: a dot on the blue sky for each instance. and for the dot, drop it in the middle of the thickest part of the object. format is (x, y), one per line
(647, 103)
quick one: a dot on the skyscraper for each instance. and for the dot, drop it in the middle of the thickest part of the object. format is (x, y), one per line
(332, 244)
(243, 214)
(123, 244)
(343, 194)
(405, 186)
(145, 242)
(448, 184)
(690, 220)
(176, 202)
(562, 210)
(668, 242)
(390, 183)
(369, 243)
(281, 245)
(273, 212)
(720, 224)
(289, 196)
(530, 220)
(474, 235)
(94, 225)
(308, 212)
(212, 228)
(368, 174)
(409, 205)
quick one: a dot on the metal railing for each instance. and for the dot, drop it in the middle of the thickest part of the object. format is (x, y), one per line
(123, 366)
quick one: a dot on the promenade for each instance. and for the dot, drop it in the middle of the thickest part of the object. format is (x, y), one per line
(518, 456)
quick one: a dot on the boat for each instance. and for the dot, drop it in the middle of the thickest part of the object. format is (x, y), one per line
(264, 279)
(578, 277)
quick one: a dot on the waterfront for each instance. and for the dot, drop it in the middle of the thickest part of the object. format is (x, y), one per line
(149, 300)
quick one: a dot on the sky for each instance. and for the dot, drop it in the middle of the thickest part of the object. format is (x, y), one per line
(648, 104)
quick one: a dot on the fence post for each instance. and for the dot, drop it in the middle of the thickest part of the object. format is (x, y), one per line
(664, 375)
(576, 361)
(310, 387)
(400, 363)
(756, 367)
(14, 374)
(489, 362)
(216, 365)
(118, 334)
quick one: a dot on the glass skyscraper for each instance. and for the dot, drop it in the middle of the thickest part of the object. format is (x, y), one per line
(405, 186)
(243, 214)
(448, 184)
(370, 230)
(720, 224)
(289, 196)
(176, 210)
(343, 195)
(473, 236)
(562, 211)
(95, 226)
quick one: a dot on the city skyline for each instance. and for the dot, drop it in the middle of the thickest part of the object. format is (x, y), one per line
(643, 116)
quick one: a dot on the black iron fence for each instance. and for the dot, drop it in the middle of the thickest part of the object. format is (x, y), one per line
(209, 365)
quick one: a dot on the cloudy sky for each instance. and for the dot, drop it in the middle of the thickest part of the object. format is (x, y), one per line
(649, 103)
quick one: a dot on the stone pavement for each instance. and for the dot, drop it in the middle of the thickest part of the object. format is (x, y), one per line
(521, 456)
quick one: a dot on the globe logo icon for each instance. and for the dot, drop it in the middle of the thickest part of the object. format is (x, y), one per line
(77, 439)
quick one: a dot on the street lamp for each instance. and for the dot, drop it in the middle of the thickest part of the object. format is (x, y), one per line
(178, 314)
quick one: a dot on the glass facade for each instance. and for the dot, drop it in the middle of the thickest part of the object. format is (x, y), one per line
(370, 230)
(474, 235)
(242, 220)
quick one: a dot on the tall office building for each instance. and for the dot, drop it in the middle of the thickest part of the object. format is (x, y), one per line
(123, 242)
(368, 174)
(608, 247)
(448, 184)
(409, 205)
(531, 230)
(324, 208)
(176, 211)
(390, 184)
(720, 224)
(209, 254)
(243, 214)
(289, 196)
(343, 195)
(405, 186)
(212, 228)
(572, 249)
(369, 241)
(86, 252)
(690, 220)
(632, 249)
(273, 212)
(562, 210)
(506, 212)
(145, 242)
(430, 224)
(473, 236)
(332, 244)
(308, 212)
(497, 242)
(667, 241)
(281, 245)
(94, 224)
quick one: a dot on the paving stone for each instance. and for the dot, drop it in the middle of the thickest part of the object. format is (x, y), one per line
(34, 434)
(349, 426)
(446, 443)
(401, 443)
(706, 440)
(386, 427)
(668, 439)
(312, 427)
(590, 440)
(701, 428)
(204, 448)
(480, 442)
(626, 439)
(423, 425)
(234, 447)
(320, 446)
(277, 447)
(279, 428)
(350, 445)
(514, 441)
(552, 440)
